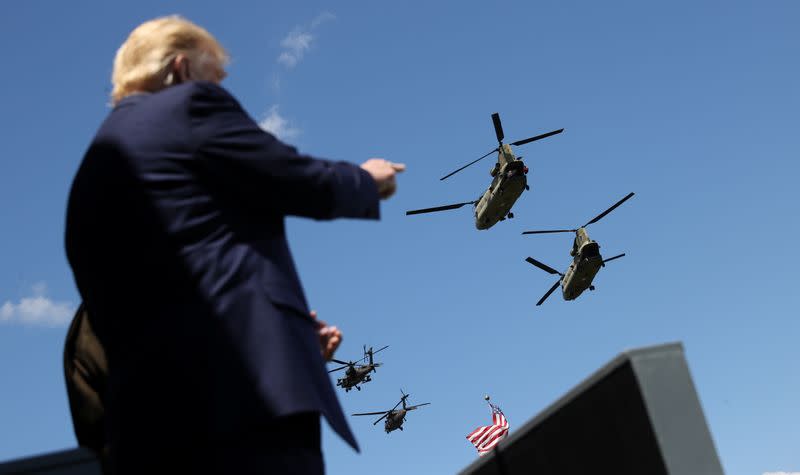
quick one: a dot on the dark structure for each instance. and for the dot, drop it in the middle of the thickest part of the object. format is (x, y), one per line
(68, 462)
(639, 414)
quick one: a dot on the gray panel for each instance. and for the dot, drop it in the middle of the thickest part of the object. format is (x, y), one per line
(675, 411)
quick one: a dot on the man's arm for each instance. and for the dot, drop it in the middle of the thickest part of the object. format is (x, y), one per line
(241, 158)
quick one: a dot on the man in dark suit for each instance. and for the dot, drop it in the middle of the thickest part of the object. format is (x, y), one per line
(175, 234)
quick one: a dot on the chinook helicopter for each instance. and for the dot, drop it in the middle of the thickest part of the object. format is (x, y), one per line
(357, 374)
(586, 261)
(394, 417)
(508, 182)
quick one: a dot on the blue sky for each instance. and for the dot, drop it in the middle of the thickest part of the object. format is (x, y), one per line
(692, 105)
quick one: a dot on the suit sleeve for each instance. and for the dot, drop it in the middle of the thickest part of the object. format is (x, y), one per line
(244, 160)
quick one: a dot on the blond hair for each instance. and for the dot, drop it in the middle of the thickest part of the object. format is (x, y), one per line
(143, 61)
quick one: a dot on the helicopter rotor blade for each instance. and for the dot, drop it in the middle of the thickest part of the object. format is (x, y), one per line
(544, 267)
(411, 408)
(602, 215)
(612, 258)
(468, 164)
(538, 137)
(339, 368)
(340, 361)
(385, 413)
(387, 346)
(381, 418)
(550, 231)
(552, 289)
(369, 413)
(498, 127)
(440, 208)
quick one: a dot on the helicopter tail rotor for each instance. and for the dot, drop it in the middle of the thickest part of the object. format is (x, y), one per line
(403, 398)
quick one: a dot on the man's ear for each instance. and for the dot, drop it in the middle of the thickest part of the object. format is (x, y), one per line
(181, 69)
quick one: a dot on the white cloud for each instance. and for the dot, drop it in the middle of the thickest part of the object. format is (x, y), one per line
(294, 47)
(37, 310)
(299, 40)
(277, 125)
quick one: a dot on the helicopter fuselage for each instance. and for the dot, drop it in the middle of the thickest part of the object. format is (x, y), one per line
(395, 420)
(586, 262)
(507, 185)
(355, 375)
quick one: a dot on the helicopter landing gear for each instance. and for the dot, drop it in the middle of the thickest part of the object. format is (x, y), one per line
(510, 215)
(358, 388)
(591, 287)
(527, 188)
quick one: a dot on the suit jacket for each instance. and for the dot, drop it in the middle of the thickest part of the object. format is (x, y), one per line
(175, 235)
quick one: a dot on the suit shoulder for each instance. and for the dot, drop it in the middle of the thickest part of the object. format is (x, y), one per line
(205, 91)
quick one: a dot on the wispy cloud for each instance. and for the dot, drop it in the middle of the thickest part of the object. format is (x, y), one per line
(274, 123)
(322, 18)
(295, 45)
(37, 310)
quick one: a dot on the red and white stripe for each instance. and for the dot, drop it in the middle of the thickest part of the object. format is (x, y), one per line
(484, 438)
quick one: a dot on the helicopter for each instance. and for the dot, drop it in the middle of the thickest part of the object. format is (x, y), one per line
(586, 261)
(508, 181)
(394, 417)
(357, 374)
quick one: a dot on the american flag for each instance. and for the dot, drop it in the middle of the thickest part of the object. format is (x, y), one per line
(484, 438)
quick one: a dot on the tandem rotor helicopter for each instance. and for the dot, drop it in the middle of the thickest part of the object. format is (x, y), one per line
(357, 374)
(508, 182)
(586, 261)
(394, 416)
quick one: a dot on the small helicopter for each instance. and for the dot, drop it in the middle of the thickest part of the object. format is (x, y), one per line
(508, 182)
(586, 261)
(357, 374)
(394, 417)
